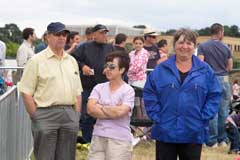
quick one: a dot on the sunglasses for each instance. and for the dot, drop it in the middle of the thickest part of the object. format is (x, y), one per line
(58, 34)
(111, 66)
(152, 37)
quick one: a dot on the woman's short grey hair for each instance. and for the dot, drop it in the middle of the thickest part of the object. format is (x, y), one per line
(188, 34)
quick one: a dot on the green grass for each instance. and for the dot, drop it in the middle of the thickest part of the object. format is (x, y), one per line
(146, 151)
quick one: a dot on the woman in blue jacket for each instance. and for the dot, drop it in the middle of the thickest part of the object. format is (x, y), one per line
(181, 95)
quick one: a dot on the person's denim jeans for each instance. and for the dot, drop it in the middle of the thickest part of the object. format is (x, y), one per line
(233, 135)
(86, 122)
(217, 125)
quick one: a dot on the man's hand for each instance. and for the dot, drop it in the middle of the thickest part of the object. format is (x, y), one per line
(78, 105)
(29, 104)
(87, 70)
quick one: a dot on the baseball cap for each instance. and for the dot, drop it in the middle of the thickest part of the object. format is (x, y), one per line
(56, 27)
(100, 27)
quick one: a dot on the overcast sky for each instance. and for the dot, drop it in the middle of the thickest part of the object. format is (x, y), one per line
(158, 14)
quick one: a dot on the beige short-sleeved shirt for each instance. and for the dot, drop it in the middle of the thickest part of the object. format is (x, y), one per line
(50, 80)
(24, 53)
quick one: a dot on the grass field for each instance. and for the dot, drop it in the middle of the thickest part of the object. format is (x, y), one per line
(146, 151)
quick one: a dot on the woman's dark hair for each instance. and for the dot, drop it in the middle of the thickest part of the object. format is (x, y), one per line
(188, 35)
(71, 35)
(162, 43)
(123, 59)
(138, 38)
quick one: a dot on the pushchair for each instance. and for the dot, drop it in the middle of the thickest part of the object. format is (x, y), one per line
(140, 123)
(235, 107)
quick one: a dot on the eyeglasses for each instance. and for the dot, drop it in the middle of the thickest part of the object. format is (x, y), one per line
(111, 66)
(152, 37)
(58, 34)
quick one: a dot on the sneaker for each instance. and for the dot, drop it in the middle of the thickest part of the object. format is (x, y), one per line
(81, 140)
(222, 144)
(135, 141)
(215, 145)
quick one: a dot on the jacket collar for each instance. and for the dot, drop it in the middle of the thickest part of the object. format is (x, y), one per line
(171, 65)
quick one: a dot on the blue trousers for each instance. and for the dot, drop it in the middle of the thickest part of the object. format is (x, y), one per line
(217, 125)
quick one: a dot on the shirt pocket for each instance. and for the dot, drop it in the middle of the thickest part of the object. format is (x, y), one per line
(46, 80)
(75, 81)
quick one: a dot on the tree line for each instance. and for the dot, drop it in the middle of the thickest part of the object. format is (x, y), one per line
(12, 36)
(231, 31)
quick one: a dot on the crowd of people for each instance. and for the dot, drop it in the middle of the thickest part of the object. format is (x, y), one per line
(70, 85)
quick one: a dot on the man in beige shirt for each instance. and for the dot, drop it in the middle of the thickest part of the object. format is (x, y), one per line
(26, 49)
(51, 90)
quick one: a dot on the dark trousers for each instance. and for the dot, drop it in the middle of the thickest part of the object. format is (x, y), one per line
(185, 151)
(233, 135)
(86, 122)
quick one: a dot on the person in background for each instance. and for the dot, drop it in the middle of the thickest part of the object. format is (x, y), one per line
(91, 57)
(181, 95)
(232, 124)
(3, 50)
(26, 49)
(73, 40)
(163, 49)
(3, 73)
(137, 71)
(138, 63)
(88, 35)
(235, 90)
(112, 103)
(120, 41)
(51, 91)
(150, 38)
(219, 57)
(43, 44)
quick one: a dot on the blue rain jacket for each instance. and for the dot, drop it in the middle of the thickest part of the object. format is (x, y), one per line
(181, 112)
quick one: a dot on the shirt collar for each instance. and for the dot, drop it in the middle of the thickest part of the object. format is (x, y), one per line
(51, 54)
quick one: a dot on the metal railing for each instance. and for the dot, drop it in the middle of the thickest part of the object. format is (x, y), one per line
(16, 141)
(15, 127)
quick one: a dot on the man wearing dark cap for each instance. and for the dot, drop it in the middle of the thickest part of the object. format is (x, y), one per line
(90, 57)
(150, 38)
(51, 91)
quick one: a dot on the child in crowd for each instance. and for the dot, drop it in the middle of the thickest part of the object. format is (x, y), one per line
(235, 90)
(137, 72)
(163, 50)
(138, 61)
(231, 125)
